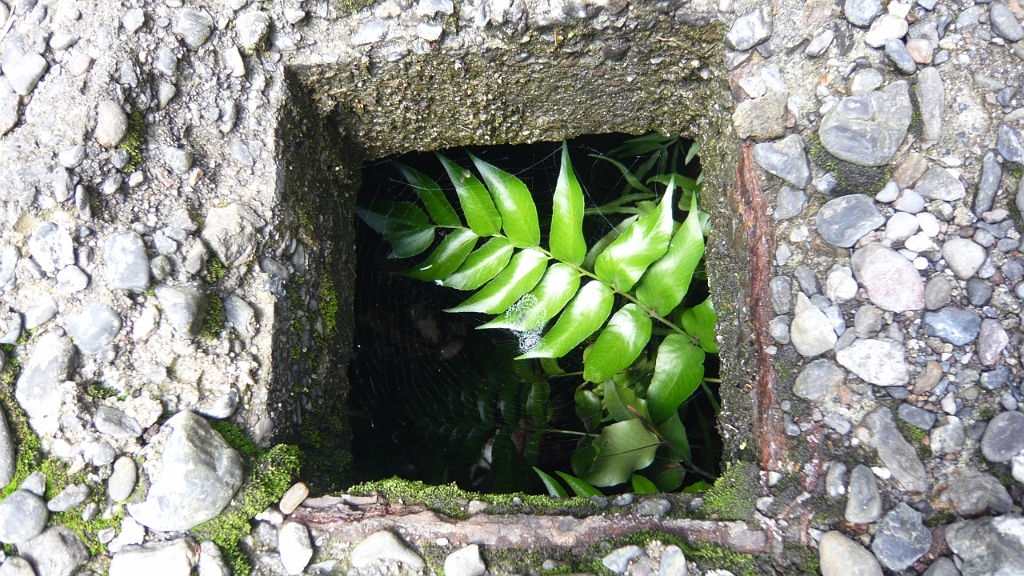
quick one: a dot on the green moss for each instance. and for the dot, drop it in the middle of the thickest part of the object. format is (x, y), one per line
(268, 475)
(940, 518)
(708, 555)
(851, 178)
(214, 322)
(99, 390)
(352, 6)
(27, 446)
(134, 140)
(734, 494)
(323, 438)
(924, 452)
(986, 413)
(236, 438)
(57, 479)
(328, 305)
(215, 270)
(911, 432)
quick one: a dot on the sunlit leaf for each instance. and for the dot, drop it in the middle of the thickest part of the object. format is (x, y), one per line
(579, 487)
(588, 408)
(674, 432)
(482, 216)
(566, 241)
(626, 259)
(618, 400)
(407, 243)
(692, 152)
(481, 266)
(698, 486)
(548, 297)
(446, 258)
(699, 322)
(440, 210)
(605, 241)
(619, 343)
(678, 371)
(642, 485)
(665, 283)
(581, 318)
(518, 212)
(555, 489)
(518, 278)
(623, 448)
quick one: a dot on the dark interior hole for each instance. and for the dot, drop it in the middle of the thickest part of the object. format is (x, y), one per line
(429, 392)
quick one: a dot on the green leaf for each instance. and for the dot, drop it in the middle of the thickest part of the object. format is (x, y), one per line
(692, 152)
(618, 400)
(642, 485)
(555, 489)
(630, 178)
(605, 241)
(518, 212)
(403, 225)
(446, 258)
(698, 486)
(481, 266)
(482, 216)
(623, 448)
(550, 365)
(678, 371)
(626, 259)
(440, 210)
(673, 431)
(547, 299)
(537, 404)
(588, 408)
(665, 283)
(521, 275)
(566, 241)
(699, 322)
(580, 487)
(619, 343)
(668, 477)
(581, 318)
(407, 243)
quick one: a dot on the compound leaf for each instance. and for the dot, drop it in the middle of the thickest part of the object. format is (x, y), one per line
(481, 265)
(482, 216)
(699, 322)
(403, 225)
(626, 259)
(619, 343)
(665, 283)
(566, 241)
(581, 318)
(440, 210)
(521, 275)
(518, 212)
(446, 258)
(541, 304)
(678, 371)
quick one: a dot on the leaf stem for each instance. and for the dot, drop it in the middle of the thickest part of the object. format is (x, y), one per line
(571, 432)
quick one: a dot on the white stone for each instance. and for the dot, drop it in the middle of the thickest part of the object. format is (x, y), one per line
(876, 361)
(840, 286)
(811, 332)
(465, 562)
(295, 547)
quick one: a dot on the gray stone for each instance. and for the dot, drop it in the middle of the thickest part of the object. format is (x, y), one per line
(949, 436)
(23, 70)
(10, 112)
(58, 551)
(841, 556)
(879, 362)
(7, 453)
(867, 321)
(895, 452)
(51, 247)
(657, 507)
(173, 558)
(915, 416)
(1004, 437)
(939, 184)
(193, 27)
(231, 232)
(845, 220)
(211, 561)
(861, 12)
(384, 545)
(10, 325)
(166, 62)
(35, 483)
(991, 340)
(988, 185)
(901, 538)
(996, 378)
(963, 256)
(673, 562)
(954, 325)
(116, 423)
(220, 407)
(979, 292)
(71, 280)
(371, 31)
(111, 124)
(618, 560)
(901, 226)
(865, 503)
(764, 118)
(1009, 145)
(15, 566)
(178, 160)
(127, 267)
(1004, 23)
(750, 29)
(867, 129)
(23, 516)
(989, 546)
(817, 46)
(811, 332)
(465, 562)
(781, 292)
(41, 313)
(865, 80)
(95, 327)
(295, 547)
(779, 328)
(37, 390)
(184, 307)
(942, 567)
(122, 480)
(909, 201)
(837, 422)
(891, 281)
(69, 497)
(819, 379)
(431, 7)
(786, 159)
(931, 99)
(897, 53)
(971, 494)
(251, 30)
(807, 279)
(938, 292)
(200, 474)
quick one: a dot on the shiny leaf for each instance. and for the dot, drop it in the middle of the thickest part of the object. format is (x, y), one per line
(619, 343)
(591, 258)
(581, 318)
(446, 258)
(618, 400)
(678, 371)
(673, 431)
(482, 216)
(642, 485)
(579, 487)
(519, 277)
(407, 243)
(481, 266)
(566, 241)
(440, 210)
(518, 212)
(623, 448)
(533, 310)
(404, 225)
(699, 322)
(555, 489)
(665, 283)
(626, 259)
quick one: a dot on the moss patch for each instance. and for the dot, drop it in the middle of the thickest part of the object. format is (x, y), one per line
(352, 6)
(134, 140)
(215, 270)
(734, 494)
(214, 322)
(27, 447)
(851, 178)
